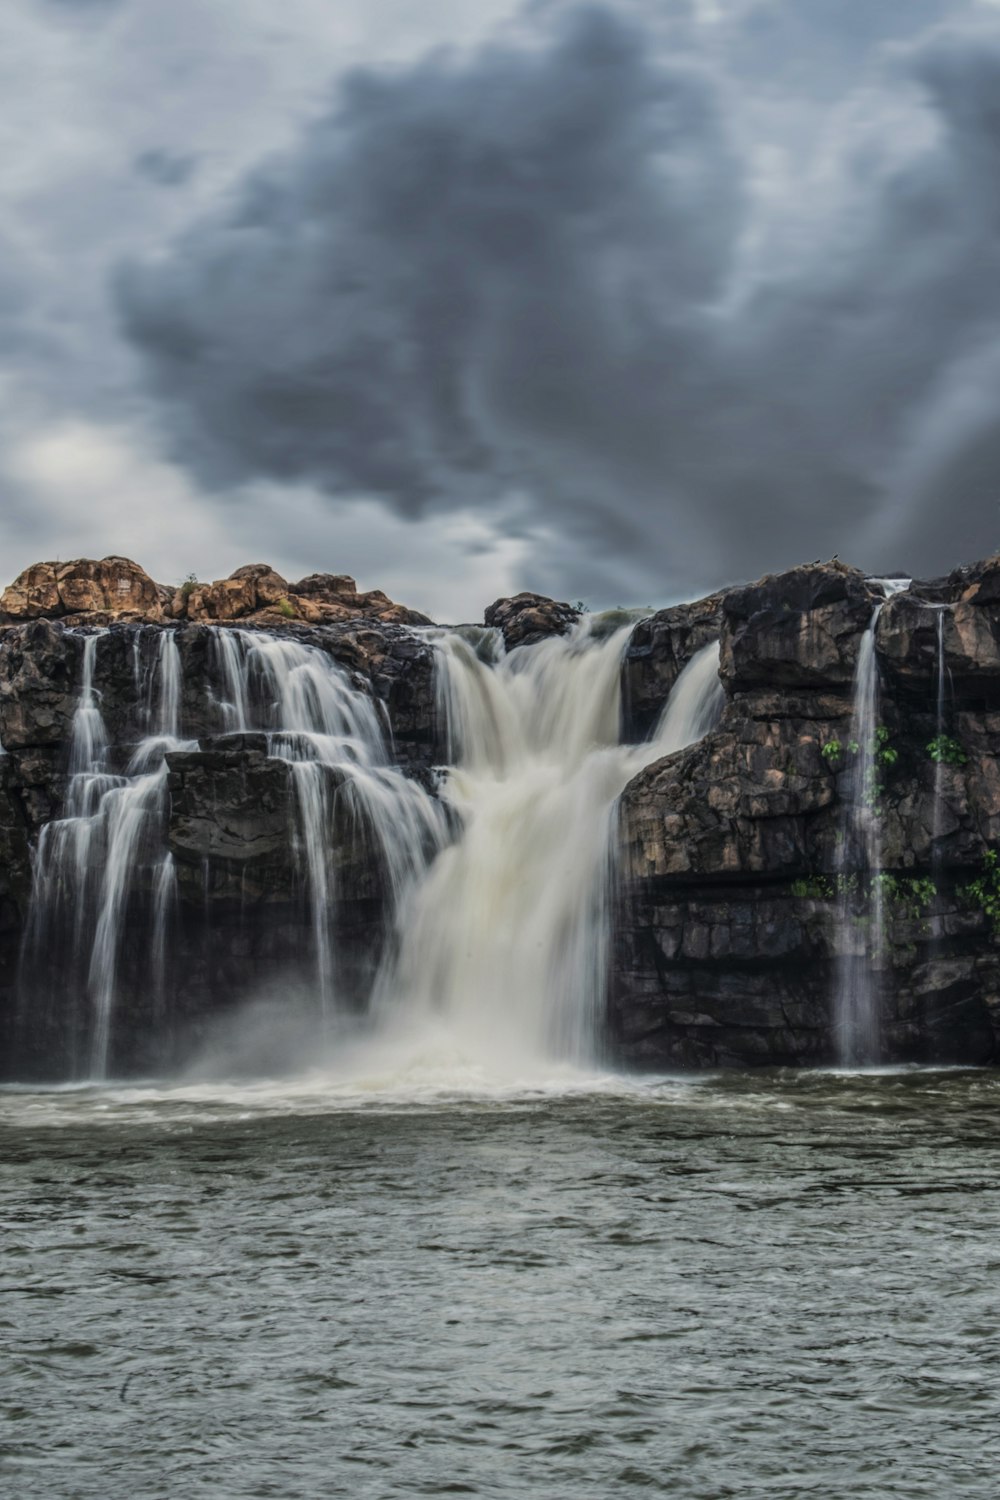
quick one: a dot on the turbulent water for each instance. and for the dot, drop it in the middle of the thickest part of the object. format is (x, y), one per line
(779, 1286)
(500, 887)
(502, 954)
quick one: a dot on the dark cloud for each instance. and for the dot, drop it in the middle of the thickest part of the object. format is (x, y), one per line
(165, 168)
(467, 280)
(525, 275)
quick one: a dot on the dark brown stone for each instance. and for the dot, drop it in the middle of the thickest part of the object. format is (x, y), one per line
(526, 619)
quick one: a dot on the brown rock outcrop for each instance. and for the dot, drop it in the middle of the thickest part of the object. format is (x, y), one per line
(256, 594)
(85, 592)
(798, 629)
(111, 589)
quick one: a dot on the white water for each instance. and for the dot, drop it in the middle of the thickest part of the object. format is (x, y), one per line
(939, 764)
(89, 863)
(332, 737)
(857, 1010)
(503, 948)
(499, 891)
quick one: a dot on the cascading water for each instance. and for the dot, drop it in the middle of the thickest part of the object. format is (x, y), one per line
(498, 890)
(90, 862)
(331, 736)
(503, 947)
(939, 735)
(857, 1010)
(108, 853)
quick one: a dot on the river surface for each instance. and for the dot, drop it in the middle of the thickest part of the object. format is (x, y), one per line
(781, 1285)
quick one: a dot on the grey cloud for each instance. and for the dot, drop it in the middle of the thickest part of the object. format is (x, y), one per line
(165, 168)
(510, 278)
(466, 280)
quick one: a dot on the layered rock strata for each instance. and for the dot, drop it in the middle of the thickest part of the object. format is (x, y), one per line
(731, 927)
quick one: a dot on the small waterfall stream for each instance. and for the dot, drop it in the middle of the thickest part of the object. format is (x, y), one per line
(939, 736)
(108, 843)
(857, 1001)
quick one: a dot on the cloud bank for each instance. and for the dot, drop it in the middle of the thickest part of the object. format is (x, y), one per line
(653, 297)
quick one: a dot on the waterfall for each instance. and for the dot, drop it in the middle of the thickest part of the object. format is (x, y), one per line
(939, 763)
(108, 852)
(497, 889)
(503, 949)
(109, 844)
(857, 1006)
(332, 738)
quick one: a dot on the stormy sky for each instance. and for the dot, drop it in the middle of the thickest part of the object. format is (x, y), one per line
(615, 301)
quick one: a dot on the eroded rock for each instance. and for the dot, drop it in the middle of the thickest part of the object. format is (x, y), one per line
(526, 618)
(111, 589)
(658, 651)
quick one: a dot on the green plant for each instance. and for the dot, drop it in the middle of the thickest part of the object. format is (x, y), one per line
(984, 891)
(832, 750)
(947, 751)
(189, 585)
(911, 896)
(882, 752)
(812, 888)
(286, 609)
(883, 758)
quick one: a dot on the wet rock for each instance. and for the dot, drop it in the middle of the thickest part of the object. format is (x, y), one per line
(658, 651)
(39, 681)
(799, 629)
(526, 619)
(229, 801)
(910, 649)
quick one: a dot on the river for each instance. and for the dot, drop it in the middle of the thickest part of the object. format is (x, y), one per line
(736, 1285)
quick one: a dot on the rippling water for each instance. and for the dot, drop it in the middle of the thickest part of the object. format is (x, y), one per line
(779, 1285)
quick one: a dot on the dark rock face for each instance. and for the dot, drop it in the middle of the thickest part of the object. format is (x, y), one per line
(39, 671)
(729, 927)
(241, 921)
(796, 630)
(729, 931)
(658, 651)
(528, 618)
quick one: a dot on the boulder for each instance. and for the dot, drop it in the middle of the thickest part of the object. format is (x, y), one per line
(113, 588)
(326, 588)
(227, 599)
(528, 618)
(256, 594)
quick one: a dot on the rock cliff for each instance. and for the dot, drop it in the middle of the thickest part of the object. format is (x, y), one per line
(740, 898)
(735, 886)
